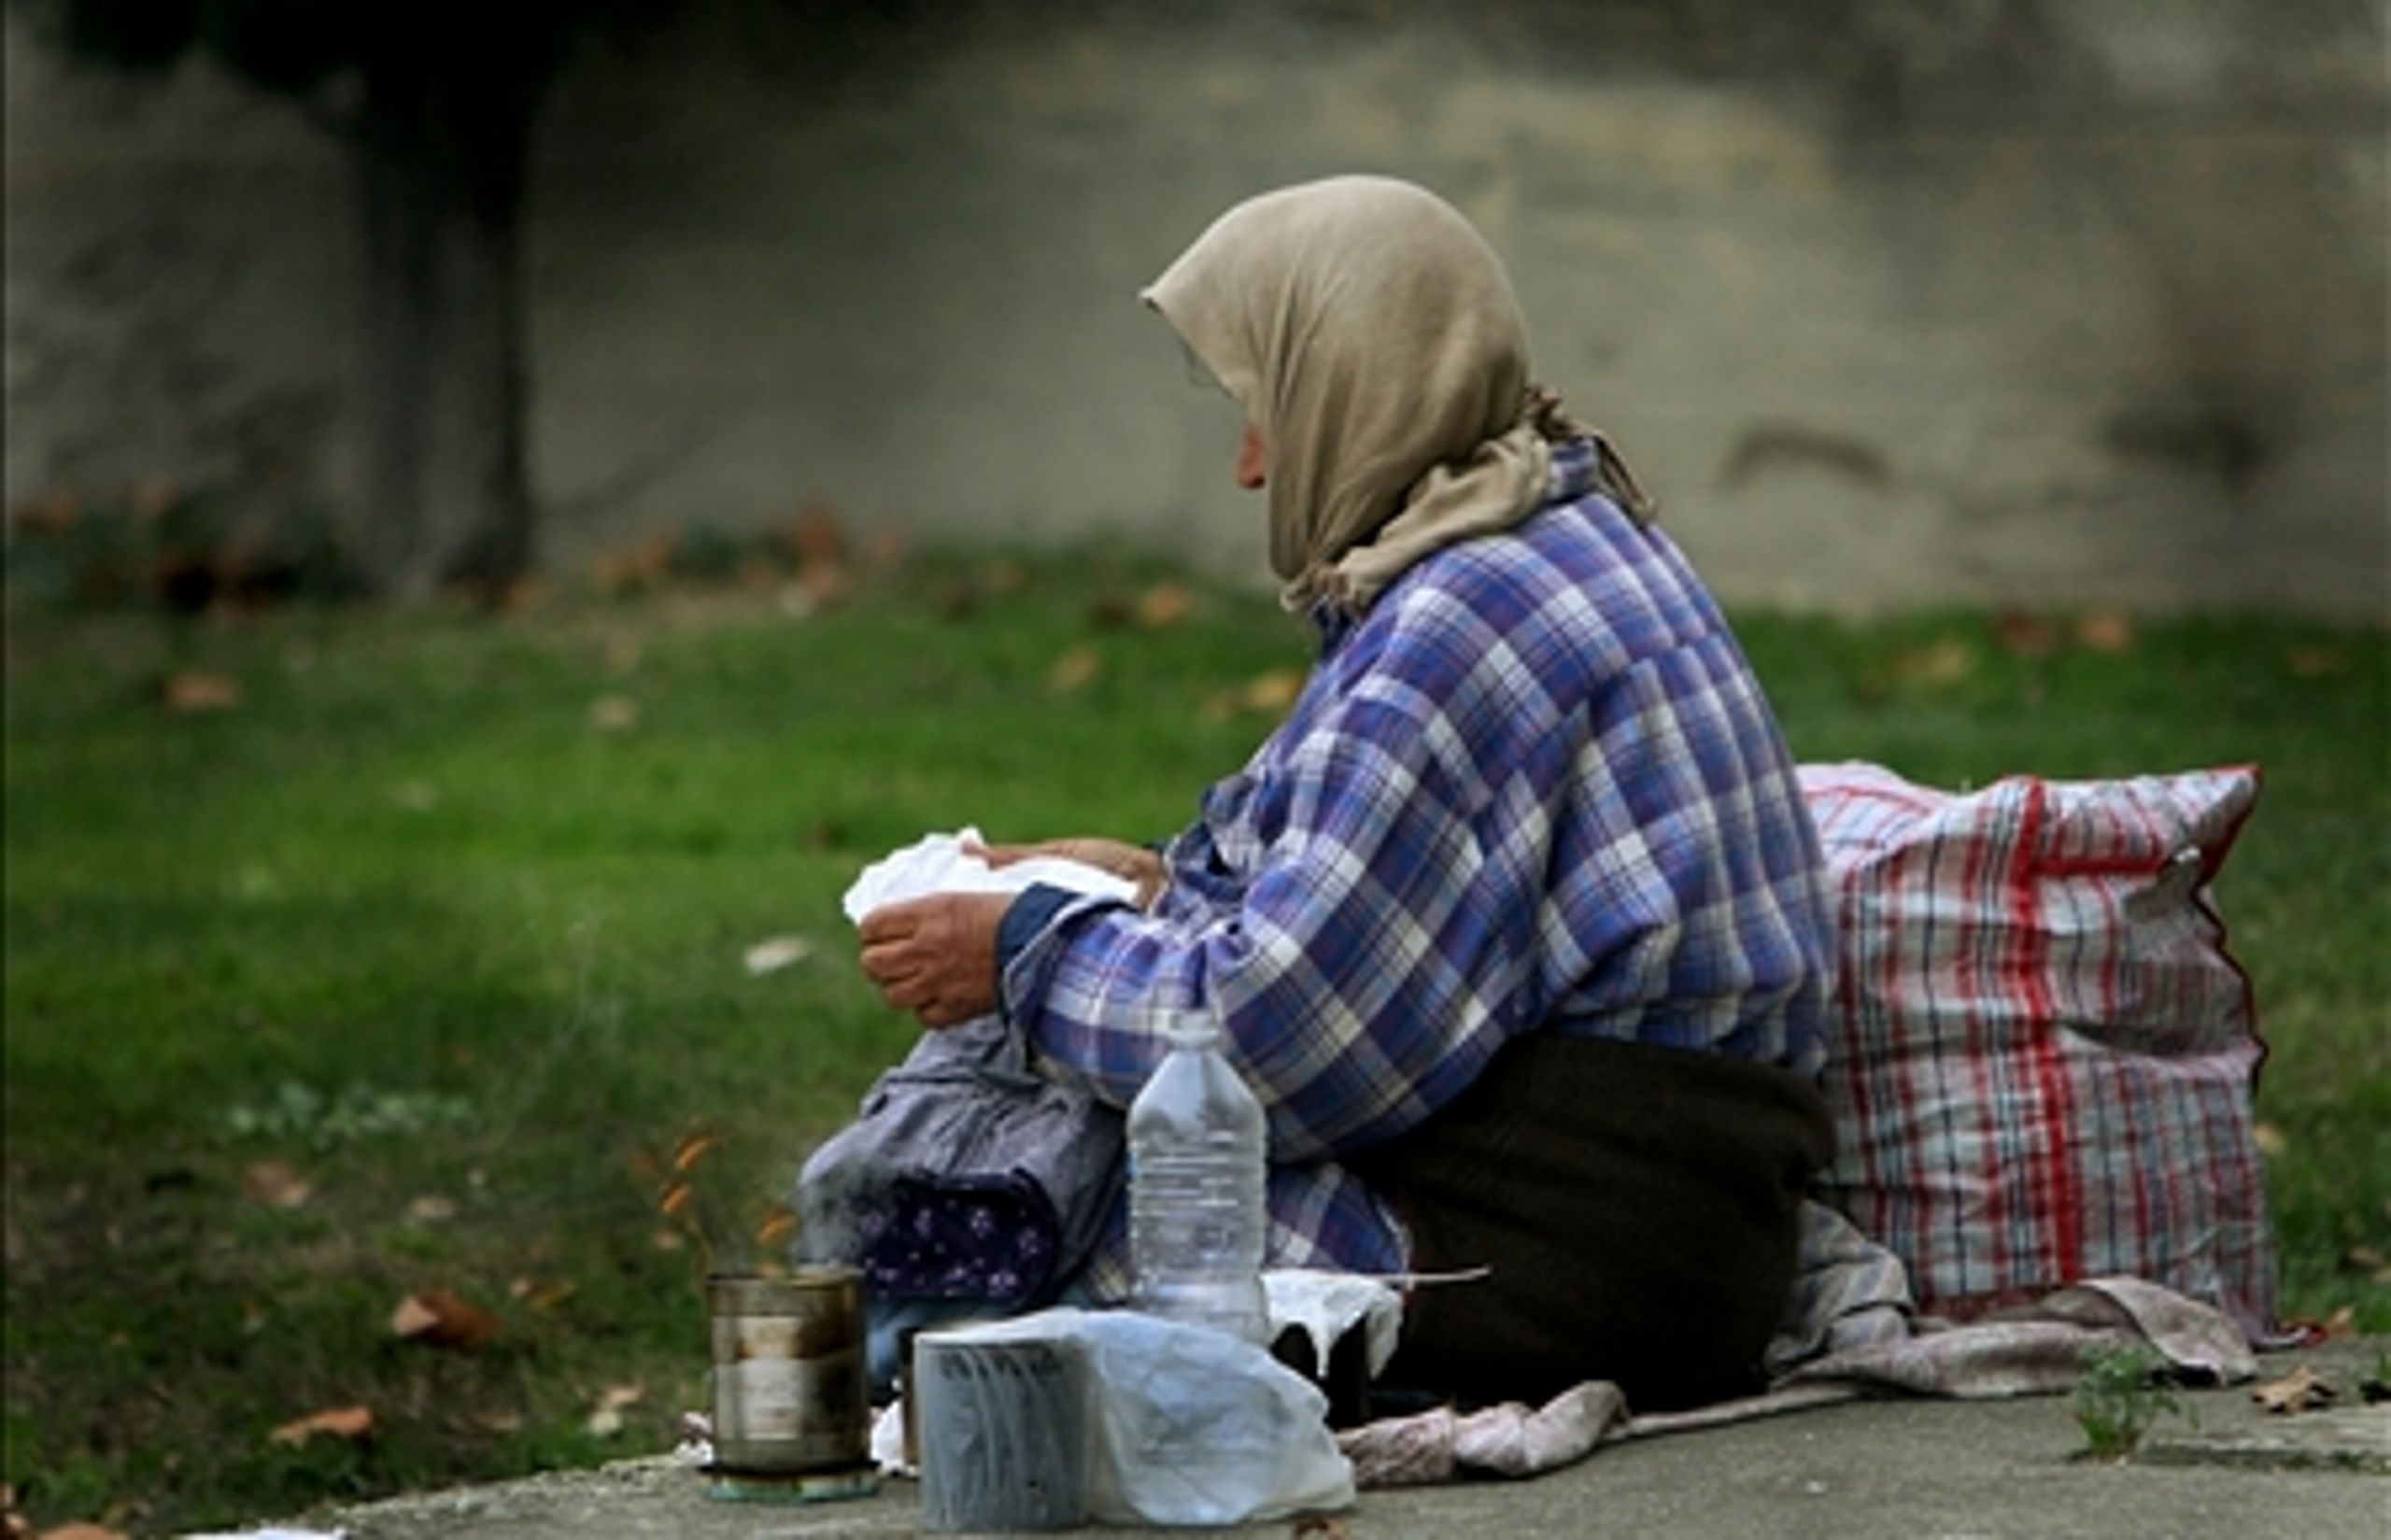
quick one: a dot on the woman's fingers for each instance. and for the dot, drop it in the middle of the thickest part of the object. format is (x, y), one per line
(935, 957)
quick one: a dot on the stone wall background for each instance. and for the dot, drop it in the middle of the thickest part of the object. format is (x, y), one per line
(1892, 302)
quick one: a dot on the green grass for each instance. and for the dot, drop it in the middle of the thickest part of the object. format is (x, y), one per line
(405, 921)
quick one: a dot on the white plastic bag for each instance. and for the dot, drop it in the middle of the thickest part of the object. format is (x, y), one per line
(1179, 1425)
(941, 863)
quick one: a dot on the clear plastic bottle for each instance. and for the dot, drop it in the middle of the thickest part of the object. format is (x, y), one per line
(1198, 1152)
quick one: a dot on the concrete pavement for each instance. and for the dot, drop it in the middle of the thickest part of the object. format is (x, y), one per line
(1874, 1470)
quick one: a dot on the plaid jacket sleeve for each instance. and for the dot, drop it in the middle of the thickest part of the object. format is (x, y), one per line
(1533, 787)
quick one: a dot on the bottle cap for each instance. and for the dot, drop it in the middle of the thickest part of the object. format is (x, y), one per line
(1191, 1028)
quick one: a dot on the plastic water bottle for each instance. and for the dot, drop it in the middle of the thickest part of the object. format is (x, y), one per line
(1197, 1163)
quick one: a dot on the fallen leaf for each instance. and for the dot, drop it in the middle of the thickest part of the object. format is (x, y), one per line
(349, 1422)
(694, 1147)
(1274, 691)
(817, 537)
(606, 1419)
(192, 691)
(275, 1183)
(540, 1296)
(614, 713)
(2269, 1138)
(433, 1208)
(1164, 605)
(2026, 634)
(676, 1197)
(668, 1240)
(777, 953)
(650, 562)
(502, 1421)
(2303, 1389)
(777, 1226)
(2342, 1323)
(820, 585)
(1948, 661)
(1074, 670)
(2105, 631)
(2315, 662)
(438, 1318)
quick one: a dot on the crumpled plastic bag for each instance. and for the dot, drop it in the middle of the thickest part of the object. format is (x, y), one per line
(938, 862)
(1328, 1305)
(1179, 1425)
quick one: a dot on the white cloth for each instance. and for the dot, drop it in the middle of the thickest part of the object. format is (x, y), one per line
(939, 863)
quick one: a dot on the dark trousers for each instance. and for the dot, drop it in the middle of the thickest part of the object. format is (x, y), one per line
(1639, 1207)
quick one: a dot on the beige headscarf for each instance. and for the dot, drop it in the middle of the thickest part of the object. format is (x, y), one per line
(1371, 335)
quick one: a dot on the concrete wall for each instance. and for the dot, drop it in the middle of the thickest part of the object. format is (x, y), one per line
(1976, 302)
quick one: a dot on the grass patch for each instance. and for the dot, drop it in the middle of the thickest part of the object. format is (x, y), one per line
(454, 910)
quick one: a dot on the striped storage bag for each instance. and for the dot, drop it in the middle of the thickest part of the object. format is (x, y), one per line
(2043, 1057)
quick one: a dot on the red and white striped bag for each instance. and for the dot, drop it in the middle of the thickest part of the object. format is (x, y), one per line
(2044, 1057)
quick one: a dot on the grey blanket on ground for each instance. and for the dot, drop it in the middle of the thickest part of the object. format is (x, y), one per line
(1849, 1333)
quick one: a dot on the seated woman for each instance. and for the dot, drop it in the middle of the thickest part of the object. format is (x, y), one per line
(1517, 926)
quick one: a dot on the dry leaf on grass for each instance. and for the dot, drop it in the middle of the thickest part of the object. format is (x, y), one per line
(776, 953)
(606, 1419)
(2269, 1138)
(817, 538)
(2301, 1390)
(694, 1146)
(614, 713)
(438, 1318)
(2105, 631)
(540, 1296)
(2027, 635)
(1947, 661)
(275, 1183)
(193, 691)
(432, 1208)
(2315, 662)
(777, 1225)
(349, 1422)
(1074, 670)
(1164, 605)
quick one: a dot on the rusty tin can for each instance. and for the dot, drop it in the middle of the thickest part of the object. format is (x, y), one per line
(790, 1394)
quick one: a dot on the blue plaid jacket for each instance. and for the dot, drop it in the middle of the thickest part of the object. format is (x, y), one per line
(1536, 788)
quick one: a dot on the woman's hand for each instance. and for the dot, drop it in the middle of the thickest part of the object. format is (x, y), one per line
(1130, 863)
(935, 957)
